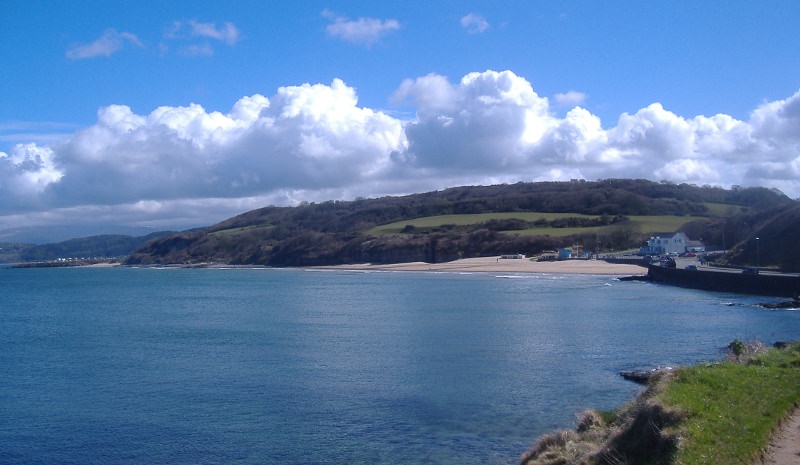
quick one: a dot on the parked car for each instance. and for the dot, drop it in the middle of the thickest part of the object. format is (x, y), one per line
(691, 267)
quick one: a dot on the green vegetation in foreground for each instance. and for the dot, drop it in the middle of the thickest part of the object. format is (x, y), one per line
(711, 414)
(731, 408)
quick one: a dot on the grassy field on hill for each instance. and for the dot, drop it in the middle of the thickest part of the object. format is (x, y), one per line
(725, 209)
(643, 224)
(466, 220)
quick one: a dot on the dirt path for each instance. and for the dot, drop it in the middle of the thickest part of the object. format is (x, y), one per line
(784, 448)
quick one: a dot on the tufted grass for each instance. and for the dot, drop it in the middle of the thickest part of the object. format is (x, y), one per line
(709, 414)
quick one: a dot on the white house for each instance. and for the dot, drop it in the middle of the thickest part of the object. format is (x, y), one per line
(661, 244)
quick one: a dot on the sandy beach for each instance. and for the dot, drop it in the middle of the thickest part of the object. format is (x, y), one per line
(499, 265)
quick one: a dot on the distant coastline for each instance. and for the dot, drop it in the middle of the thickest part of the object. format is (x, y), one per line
(94, 263)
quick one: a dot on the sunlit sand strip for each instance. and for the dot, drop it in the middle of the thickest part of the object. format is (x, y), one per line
(500, 265)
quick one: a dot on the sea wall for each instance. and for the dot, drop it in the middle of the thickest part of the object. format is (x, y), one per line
(724, 281)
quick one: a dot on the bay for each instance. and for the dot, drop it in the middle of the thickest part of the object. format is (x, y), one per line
(177, 366)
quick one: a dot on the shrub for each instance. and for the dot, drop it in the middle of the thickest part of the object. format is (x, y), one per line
(744, 352)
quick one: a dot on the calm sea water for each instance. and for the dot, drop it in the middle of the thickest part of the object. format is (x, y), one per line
(248, 366)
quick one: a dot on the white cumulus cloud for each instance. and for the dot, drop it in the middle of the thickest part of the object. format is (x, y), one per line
(495, 126)
(25, 173)
(570, 99)
(486, 122)
(314, 142)
(304, 137)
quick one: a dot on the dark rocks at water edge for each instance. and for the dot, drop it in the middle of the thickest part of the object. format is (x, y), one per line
(642, 376)
(782, 305)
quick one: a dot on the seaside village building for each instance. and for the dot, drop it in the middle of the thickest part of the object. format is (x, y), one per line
(677, 243)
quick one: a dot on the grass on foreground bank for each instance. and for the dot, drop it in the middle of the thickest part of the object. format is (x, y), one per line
(719, 413)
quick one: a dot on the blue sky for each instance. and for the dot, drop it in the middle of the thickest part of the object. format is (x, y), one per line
(180, 114)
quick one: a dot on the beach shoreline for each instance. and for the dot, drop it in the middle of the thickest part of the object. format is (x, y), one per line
(493, 264)
(500, 265)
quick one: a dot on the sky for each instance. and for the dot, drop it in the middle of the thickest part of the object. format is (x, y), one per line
(180, 114)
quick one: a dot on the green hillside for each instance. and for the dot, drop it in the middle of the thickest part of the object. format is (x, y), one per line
(465, 222)
(11, 252)
(772, 242)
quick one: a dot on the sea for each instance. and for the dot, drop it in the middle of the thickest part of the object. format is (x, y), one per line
(287, 366)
